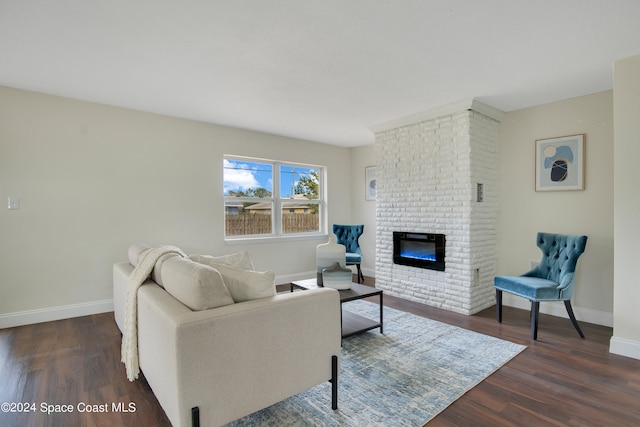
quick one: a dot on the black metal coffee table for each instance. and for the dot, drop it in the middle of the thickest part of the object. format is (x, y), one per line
(352, 323)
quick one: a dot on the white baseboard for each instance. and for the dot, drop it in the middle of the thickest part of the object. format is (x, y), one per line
(49, 314)
(369, 272)
(625, 347)
(558, 309)
(29, 317)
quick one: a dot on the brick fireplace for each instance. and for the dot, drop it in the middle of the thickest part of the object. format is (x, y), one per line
(437, 172)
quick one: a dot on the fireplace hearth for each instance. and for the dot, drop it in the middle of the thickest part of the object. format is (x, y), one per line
(421, 250)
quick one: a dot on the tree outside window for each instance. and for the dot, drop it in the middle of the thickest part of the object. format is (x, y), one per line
(271, 198)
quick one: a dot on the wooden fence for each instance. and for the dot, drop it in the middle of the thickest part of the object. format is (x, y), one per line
(248, 223)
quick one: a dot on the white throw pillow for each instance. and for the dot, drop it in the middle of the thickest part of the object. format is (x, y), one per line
(246, 285)
(239, 260)
(196, 285)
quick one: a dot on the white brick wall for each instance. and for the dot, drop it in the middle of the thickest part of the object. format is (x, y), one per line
(427, 174)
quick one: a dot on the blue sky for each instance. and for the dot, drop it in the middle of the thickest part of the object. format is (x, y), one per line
(241, 175)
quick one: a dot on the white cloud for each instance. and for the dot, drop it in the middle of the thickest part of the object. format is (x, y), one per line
(238, 177)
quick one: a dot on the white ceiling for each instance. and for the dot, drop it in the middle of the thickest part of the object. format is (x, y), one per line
(321, 70)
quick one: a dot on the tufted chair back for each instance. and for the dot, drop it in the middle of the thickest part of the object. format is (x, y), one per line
(560, 254)
(348, 236)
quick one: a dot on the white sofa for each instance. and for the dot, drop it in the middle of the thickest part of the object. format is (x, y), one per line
(216, 365)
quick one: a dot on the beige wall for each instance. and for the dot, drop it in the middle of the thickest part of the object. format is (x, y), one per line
(92, 179)
(626, 107)
(524, 212)
(364, 211)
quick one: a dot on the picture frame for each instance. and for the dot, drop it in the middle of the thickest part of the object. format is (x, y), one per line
(370, 183)
(559, 163)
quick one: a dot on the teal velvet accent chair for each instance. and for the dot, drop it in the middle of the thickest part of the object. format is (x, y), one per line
(348, 236)
(553, 279)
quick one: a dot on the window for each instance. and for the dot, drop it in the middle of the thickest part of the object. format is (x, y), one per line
(264, 198)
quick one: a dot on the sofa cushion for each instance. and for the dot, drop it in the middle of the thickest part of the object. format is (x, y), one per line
(246, 285)
(196, 285)
(239, 260)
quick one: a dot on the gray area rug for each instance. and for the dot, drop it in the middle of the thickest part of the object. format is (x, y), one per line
(402, 378)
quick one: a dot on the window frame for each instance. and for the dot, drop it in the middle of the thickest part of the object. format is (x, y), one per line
(278, 202)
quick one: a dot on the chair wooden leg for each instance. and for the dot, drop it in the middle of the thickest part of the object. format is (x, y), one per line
(359, 274)
(535, 312)
(567, 304)
(499, 305)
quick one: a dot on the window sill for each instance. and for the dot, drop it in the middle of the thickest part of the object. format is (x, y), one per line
(243, 240)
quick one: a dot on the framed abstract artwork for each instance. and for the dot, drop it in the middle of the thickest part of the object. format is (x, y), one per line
(560, 163)
(370, 183)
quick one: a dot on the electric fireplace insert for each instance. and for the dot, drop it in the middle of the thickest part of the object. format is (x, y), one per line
(422, 250)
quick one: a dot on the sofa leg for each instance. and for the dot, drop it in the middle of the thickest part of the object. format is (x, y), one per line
(499, 305)
(195, 416)
(334, 382)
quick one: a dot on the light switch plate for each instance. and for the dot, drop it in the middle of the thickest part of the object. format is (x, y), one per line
(13, 203)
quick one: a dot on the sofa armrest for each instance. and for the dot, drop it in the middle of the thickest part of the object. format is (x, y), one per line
(121, 272)
(234, 360)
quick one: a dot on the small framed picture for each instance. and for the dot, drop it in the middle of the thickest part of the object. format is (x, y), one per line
(560, 163)
(370, 183)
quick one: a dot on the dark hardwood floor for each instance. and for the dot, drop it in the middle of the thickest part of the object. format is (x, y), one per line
(559, 380)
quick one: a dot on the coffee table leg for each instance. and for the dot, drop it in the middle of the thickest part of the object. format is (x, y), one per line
(381, 323)
(341, 334)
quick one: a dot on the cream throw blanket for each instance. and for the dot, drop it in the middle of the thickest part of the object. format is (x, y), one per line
(129, 351)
